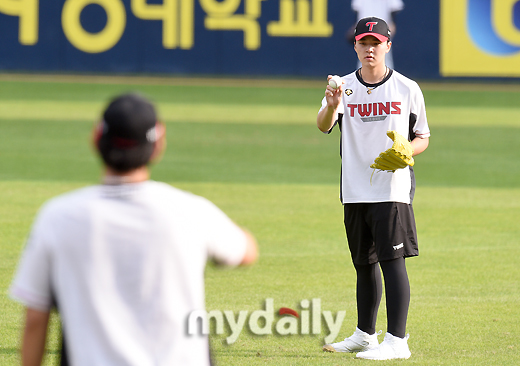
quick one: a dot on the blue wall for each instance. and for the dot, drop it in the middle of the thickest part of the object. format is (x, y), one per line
(142, 47)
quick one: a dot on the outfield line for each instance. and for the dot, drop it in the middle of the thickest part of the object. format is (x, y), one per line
(87, 111)
(268, 82)
(265, 82)
(169, 112)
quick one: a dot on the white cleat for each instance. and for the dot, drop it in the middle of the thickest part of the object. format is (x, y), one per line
(357, 342)
(391, 348)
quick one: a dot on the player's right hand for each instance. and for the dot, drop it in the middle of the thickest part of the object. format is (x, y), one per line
(332, 95)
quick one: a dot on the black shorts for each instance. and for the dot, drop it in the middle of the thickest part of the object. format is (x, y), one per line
(380, 231)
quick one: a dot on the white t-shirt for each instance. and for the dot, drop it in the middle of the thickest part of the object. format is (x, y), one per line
(125, 265)
(377, 8)
(395, 104)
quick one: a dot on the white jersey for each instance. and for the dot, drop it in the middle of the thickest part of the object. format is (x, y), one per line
(377, 8)
(125, 265)
(365, 114)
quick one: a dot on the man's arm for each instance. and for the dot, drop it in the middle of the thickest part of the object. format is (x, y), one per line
(34, 335)
(419, 145)
(327, 116)
(251, 254)
(325, 119)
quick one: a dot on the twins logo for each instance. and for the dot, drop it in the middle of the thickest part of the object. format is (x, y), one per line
(494, 25)
(373, 112)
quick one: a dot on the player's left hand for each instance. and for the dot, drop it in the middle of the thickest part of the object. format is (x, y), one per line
(397, 157)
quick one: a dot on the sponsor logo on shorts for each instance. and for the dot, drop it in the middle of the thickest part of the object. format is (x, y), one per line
(398, 246)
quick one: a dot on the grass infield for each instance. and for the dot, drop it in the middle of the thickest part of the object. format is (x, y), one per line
(253, 148)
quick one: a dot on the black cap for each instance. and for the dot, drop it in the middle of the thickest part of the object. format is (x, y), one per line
(128, 132)
(372, 26)
(129, 121)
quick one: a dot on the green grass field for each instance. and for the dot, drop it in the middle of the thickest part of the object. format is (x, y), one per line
(254, 150)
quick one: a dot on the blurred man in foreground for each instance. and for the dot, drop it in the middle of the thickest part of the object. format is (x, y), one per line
(124, 261)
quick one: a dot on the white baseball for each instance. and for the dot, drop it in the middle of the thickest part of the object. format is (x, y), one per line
(335, 82)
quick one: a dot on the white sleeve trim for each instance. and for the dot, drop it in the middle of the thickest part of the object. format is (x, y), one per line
(30, 299)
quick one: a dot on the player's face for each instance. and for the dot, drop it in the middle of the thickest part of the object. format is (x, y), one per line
(371, 51)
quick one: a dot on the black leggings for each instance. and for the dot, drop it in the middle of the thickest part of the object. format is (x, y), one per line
(370, 289)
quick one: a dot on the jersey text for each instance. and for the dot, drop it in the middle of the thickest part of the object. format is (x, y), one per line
(374, 109)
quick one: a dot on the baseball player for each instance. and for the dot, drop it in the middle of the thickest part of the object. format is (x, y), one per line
(124, 261)
(372, 102)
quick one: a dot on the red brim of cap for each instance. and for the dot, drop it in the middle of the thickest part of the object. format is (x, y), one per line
(377, 35)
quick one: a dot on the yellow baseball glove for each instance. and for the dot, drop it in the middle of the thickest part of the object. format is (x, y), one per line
(397, 157)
